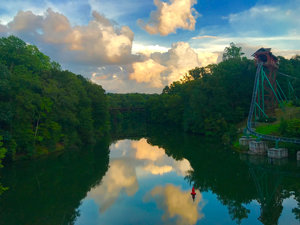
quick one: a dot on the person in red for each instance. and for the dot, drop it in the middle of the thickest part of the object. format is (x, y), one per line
(193, 193)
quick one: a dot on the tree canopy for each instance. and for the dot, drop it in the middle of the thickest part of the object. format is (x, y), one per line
(43, 108)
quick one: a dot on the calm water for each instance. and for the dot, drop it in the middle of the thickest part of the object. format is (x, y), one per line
(148, 181)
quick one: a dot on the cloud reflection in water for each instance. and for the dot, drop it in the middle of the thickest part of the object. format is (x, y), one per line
(130, 161)
(176, 204)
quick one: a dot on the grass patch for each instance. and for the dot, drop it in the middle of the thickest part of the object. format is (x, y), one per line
(268, 129)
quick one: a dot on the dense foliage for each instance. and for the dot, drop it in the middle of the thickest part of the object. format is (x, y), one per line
(2, 155)
(210, 100)
(43, 108)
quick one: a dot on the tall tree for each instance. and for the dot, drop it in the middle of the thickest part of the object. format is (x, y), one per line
(232, 52)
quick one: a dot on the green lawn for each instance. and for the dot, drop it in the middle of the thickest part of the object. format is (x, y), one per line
(268, 129)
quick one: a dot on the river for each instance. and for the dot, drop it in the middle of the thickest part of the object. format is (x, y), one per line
(148, 180)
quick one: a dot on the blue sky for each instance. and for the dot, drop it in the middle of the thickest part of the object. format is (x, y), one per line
(141, 46)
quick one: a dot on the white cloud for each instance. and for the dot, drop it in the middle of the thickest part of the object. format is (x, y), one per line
(268, 20)
(147, 50)
(181, 59)
(99, 42)
(148, 71)
(203, 37)
(154, 70)
(171, 16)
(161, 69)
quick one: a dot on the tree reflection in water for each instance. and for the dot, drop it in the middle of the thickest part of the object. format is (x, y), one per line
(236, 180)
(48, 191)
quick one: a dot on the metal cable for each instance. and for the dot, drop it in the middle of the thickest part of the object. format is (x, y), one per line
(283, 74)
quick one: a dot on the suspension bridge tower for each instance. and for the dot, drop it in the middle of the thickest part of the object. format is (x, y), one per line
(266, 95)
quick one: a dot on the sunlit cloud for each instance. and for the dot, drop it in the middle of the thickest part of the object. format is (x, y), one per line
(148, 71)
(181, 59)
(82, 39)
(99, 42)
(138, 48)
(160, 69)
(171, 16)
(212, 49)
(177, 204)
(121, 176)
(206, 57)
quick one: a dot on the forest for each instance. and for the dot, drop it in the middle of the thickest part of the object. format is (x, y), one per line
(210, 100)
(44, 109)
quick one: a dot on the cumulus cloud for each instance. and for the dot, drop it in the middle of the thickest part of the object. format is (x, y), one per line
(102, 51)
(121, 176)
(100, 42)
(155, 69)
(160, 69)
(181, 59)
(171, 16)
(148, 71)
(206, 57)
(147, 50)
(177, 204)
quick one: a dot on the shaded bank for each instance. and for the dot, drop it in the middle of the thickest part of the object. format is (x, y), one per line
(49, 190)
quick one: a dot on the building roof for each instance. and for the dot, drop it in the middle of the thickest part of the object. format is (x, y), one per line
(264, 50)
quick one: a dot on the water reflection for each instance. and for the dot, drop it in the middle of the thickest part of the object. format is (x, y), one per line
(149, 181)
(133, 163)
(121, 176)
(240, 184)
(48, 191)
(176, 204)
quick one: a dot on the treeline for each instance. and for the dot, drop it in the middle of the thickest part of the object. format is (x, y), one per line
(209, 100)
(43, 108)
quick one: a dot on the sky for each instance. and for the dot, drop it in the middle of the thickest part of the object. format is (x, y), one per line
(142, 46)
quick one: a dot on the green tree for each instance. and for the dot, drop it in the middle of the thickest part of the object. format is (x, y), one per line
(2, 155)
(232, 52)
(42, 107)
